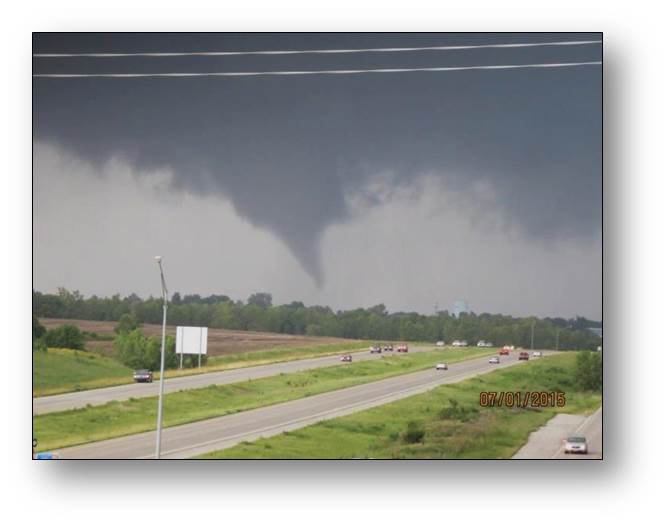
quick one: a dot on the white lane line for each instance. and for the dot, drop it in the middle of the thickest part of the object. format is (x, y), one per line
(311, 416)
(371, 402)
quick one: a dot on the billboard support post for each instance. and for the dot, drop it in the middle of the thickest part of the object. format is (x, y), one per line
(199, 351)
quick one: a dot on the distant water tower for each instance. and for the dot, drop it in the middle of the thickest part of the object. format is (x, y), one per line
(460, 306)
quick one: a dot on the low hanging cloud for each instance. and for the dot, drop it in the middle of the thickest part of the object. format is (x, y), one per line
(512, 155)
(285, 153)
(97, 228)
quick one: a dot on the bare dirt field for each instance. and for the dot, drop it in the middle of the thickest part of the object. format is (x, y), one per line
(221, 342)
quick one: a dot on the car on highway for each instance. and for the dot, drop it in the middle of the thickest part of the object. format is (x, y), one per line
(442, 366)
(575, 445)
(374, 349)
(346, 358)
(458, 343)
(484, 344)
(494, 360)
(524, 356)
(143, 376)
(388, 348)
(504, 351)
(402, 348)
(537, 354)
(440, 343)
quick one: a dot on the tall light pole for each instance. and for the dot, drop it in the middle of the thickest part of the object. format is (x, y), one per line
(557, 346)
(158, 259)
(533, 325)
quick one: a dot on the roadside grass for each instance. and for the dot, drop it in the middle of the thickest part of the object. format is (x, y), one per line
(120, 418)
(447, 422)
(64, 370)
(56, 367)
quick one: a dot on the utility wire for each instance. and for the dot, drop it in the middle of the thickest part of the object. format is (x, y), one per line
(312, 72)
(317, 51)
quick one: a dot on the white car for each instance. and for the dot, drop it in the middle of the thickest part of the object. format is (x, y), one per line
(442, 366)
(537, 354)
(575, 445)
(440, 343)
(494, 360)
(459, 343)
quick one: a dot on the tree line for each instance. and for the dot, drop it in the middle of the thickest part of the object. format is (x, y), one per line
(258, 313)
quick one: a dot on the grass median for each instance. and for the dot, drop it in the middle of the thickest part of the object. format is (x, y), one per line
(119, 418)
(59, 371)
(445, 423)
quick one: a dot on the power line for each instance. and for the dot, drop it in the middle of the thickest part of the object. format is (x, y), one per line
(317, 51)
(312, 72)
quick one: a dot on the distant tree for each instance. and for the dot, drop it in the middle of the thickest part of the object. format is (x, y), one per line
(65, 336)
(127, 323)
(589, 370)
(38, 344)
(378, 309)
(261, 299)
(135, 350)
(38, 329)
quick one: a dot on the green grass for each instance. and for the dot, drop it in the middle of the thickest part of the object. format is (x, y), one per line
(57, 366)
(119, 418)
(62, 370)
(429, 425)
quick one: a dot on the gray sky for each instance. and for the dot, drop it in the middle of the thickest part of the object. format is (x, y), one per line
(405, 189)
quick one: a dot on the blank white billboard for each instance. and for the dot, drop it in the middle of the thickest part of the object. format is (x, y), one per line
(191, 339)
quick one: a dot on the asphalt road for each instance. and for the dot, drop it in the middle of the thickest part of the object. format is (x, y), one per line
(547, 441)
(100, 396)
(214, 434)
(592, 429)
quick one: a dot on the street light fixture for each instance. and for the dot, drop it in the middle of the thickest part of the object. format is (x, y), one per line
(158, 259)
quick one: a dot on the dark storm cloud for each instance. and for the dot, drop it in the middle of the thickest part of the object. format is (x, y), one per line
(285, 151)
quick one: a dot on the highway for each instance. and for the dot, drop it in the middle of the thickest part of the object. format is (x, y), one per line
(100, 396)
(214, 434)
(547, 441)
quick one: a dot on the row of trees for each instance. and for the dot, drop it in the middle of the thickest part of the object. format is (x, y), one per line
(133, 348)
(64, 336)
(374, 323)
(137, 351)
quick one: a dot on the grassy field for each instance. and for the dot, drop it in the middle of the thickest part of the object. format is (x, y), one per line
(57, 373)
(447, 422)
(63, 370)
(71, 427)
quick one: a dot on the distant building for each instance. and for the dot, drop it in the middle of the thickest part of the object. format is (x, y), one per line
(459, 307)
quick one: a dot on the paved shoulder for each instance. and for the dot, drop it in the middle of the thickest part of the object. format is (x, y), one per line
(547, 441)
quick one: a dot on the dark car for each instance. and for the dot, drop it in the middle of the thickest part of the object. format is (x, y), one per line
(374, 350)
(346, 358)
(389, 348)
(524, 356)
(402, 348)
(143, 376)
